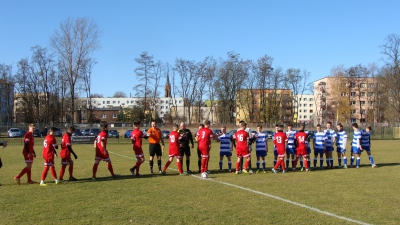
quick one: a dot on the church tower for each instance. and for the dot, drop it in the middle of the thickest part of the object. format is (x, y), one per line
(167, 88)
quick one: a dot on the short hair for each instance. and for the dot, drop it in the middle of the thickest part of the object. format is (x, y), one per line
(369, 128)
(354, 125)
(53, 129)
(330, 123)
(280, 126)
(290, 125)
(277, 125)
(223, 127)
(71, 129)
(201, 125)
(136, 123)
(31, 125)
(260, 126)
(340, 125)
(175, 126)
(207, 122)
(318, 125)
(104, 126)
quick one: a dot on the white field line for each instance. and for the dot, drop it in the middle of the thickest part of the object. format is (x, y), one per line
(266, 195)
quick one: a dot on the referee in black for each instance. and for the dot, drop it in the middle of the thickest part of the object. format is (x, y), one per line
(184, 148)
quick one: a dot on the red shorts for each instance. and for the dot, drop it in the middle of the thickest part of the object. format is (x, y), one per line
(242, 153)
(205, 150)
(28, 159)
(175, 154)
(49, 162)
(66, 161)
(100, 155)
(301, 152)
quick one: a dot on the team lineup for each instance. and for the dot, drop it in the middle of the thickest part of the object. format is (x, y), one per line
(289, 147)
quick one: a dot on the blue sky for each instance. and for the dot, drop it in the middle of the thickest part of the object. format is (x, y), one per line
(311, 35)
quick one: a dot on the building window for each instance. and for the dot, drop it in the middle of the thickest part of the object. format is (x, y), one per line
(311, 111)
(114, 115)
(127, 101)
(371, 85)
(311, 105)
(118, 102)
(108, 102)
(353, 111)
(104, 116)
(311, 99)
(278, 95)
(254, 102)
(371, 103)
(305, 110)
(353, 94)
(300, 105)
(166, 107)
(362, 120)
(343, 94)
(353, 120)
(300, 117)
(114, 102)
(353, 102)
(254, 110)
(362, 94)
(362, 102)
(305, 116)
(300, 110)
(162, 107)
(363, 111)
(104, 102)
(254, 95)
(352, 85)
(371, 94)
(362, 85)
(180, 101)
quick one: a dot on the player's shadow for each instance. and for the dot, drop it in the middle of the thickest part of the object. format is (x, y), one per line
(381, 164)
(110, 179)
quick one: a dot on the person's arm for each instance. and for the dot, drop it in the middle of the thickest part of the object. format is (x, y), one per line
(72, 151)
(191, 138)
(162, 139)
(26, 144)
(55, 145)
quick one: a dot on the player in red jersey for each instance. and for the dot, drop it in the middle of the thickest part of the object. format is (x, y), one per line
(136, 137)
(4, 144)
(65, 153)
(204, 137)
(201, 126)
(301, 147)
(29, 154)
(49, 150)
(173, 151)
(242, 147)
(100, 144)
(280, 139)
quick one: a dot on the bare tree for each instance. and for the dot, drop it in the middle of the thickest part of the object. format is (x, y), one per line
(263, 71)
(74, 43)
(145, 74)
(390, 75)
(6, 94)
(119, 94)
(87, 86)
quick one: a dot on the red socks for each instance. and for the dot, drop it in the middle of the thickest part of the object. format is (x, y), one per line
(95, 170)
(62, 171)
(179, 164)
(110, 168)
(166, 165)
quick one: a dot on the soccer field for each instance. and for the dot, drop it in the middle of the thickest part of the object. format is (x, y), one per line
(338, 196)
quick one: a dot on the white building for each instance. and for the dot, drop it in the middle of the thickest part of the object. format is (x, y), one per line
(305, 108)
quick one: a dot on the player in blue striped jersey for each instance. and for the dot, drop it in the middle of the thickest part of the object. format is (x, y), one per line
(225, 148)
(356, 144)
(318, 146)
(329, 140)
(290, 148)
(366, 144)
(261, 148)
(341, 142)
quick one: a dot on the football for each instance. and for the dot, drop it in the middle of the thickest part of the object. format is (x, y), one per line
(204, 175)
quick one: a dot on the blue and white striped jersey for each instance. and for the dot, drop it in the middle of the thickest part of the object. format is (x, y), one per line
(225, 142)
(273, 138)
(319, 140)
(329, 134)
(356, 138)
(261, 141)
(290, 135)
(365, 138)
(341, 139)
(308, 138)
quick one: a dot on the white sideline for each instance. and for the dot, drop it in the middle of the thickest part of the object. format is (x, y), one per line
(267, 195)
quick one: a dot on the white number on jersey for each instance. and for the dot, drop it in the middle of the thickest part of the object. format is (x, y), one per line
(300, 139)
(45, 143)
(172, 138)
(279, 139)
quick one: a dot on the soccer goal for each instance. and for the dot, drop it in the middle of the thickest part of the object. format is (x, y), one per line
(396, 132)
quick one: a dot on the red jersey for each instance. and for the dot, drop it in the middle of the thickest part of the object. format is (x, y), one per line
(65, 142)
(49, 145)
(102, 137)
(174, 143)
(204, 138)
(279, 141)
(28, 138)
(241, 137)
(136, 137)
(301, 145)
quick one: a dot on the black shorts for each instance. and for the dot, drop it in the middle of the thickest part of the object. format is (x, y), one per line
(198, 153)
(185, 151)
(155, 149)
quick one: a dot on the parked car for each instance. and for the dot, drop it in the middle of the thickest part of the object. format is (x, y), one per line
(216, 131)
(113, 133)
(14, 132)
(127, 134)
(58, 132)
(37, 133)
(232, 132)
(77, 132)
(44, 132)
(94, 131)
(85, 132)
(144, 131)
(269, 133)
(165, 133)
(22, 132)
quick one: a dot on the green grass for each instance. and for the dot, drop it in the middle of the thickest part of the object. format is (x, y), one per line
(366, 194)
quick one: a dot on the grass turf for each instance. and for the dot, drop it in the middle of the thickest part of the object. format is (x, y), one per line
(366, 194)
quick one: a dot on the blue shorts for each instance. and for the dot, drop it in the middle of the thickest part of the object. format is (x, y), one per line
(366, 148)
(227, 154)
(355, 150)
(340, 149)
(275, 152)
(329, 149)
(308, 150)
(261, 153)
(318, 151)
(291, 150)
